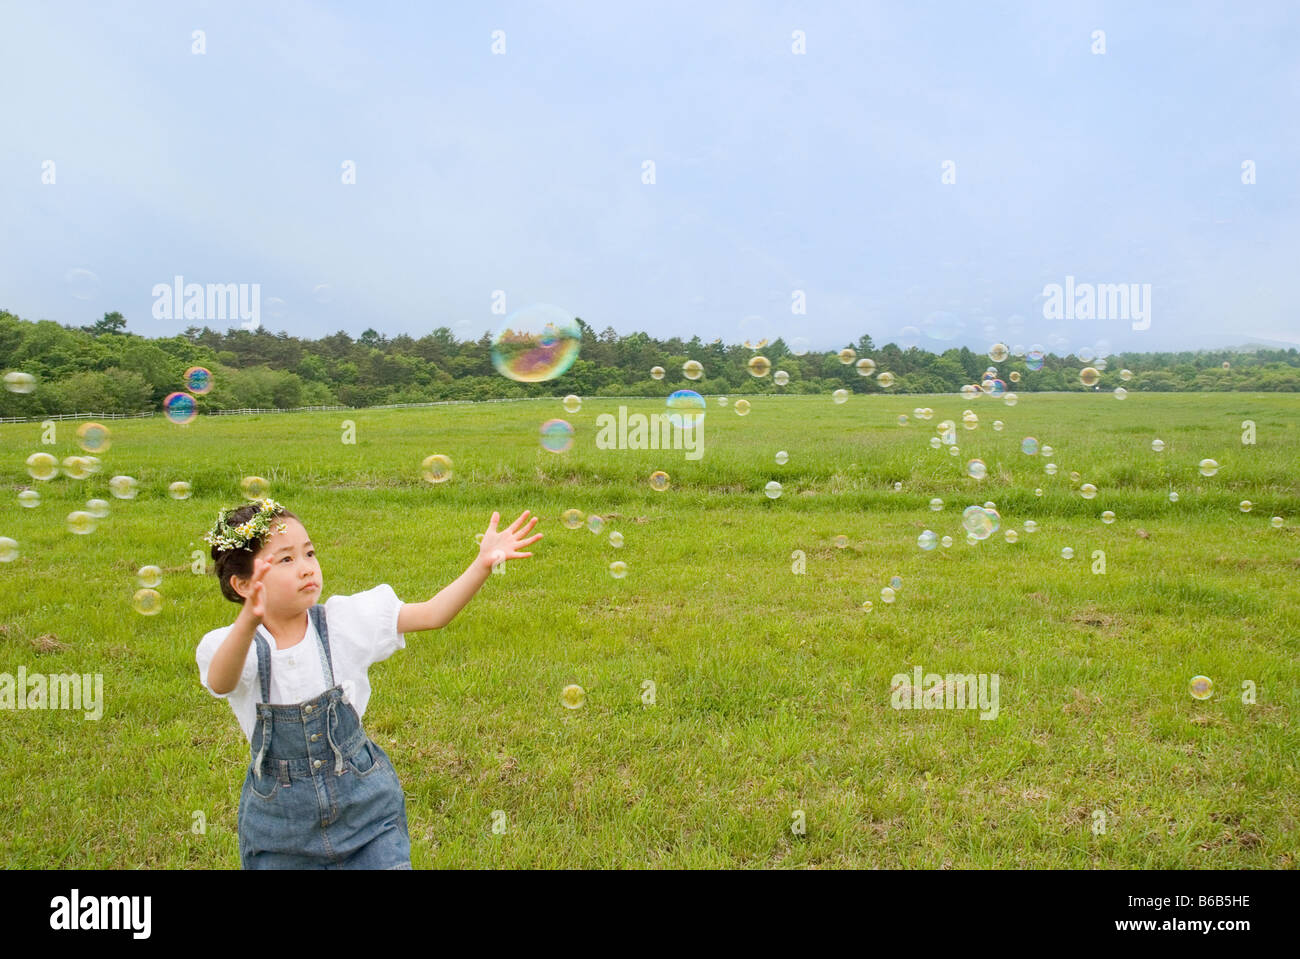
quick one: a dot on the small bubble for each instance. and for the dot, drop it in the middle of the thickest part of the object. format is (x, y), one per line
(179, 490)
(572, 697)
(886, 380)
(1208, 467)
(1067, 553)
(759, 366)
(1011, 399)
(1157, 446)
(1121, 393)
(847, 355)
(659, 481)
(692, 369)
(742, 407)
(867, 606)
(782, 457)
(254, 487)
(946, 542)
(1011, 535)
(17, 381)
(1087, 491)
(936, 504)
(616, 539)
(1173, 496)
(1276, 522)
(1246, 506)
(8, 549)
(81, 523)
(865, 366)
(1031, 526)
(887, 595)
(572, 518)
(998, 425)
(840, 396)
(657, 372)
(841, 542)
(1108, 517)
(1089, 376)
(98, 508)
(976, 469)
(29, 498)
(149, 576)
(928, 540)
(618, 569)
(572, 403)
(772, 489)
(123, 487)
(1050, 469)
(780, 377)
(896, 582)
(1201, 687)
(595, 523)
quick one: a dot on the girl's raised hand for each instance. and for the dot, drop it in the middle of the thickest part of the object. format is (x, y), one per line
(500, 545)
(257, 600)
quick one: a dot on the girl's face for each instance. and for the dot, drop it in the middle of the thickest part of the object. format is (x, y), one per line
(293, 583)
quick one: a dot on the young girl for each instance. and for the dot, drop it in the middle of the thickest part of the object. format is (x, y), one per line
(319, 792)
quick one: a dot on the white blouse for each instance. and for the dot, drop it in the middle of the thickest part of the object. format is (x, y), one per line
(362, 630)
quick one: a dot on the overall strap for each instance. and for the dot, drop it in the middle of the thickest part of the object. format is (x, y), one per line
(317, 614)
(263, 665)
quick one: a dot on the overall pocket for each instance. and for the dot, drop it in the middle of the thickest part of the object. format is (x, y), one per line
(270, 783)
(365, 760)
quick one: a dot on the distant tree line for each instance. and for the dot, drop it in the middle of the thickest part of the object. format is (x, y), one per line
(105, 369)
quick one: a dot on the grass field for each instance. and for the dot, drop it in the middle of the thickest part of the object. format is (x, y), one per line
(772, 689)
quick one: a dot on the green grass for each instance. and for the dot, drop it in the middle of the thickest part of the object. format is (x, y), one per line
(772, 688)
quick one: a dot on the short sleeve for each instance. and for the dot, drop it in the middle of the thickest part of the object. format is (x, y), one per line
(367, 623)
(208, 647)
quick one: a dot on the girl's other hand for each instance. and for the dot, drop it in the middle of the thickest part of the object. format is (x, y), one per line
(500, 545)
(256, 602)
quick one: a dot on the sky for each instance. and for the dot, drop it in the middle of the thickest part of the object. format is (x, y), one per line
(915, 171)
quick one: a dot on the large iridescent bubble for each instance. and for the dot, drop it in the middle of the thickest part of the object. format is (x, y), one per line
(536, 343)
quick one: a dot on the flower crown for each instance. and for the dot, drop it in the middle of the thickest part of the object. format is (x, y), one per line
(225, 536)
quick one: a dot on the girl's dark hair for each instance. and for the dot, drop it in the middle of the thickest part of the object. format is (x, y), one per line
(239, 562)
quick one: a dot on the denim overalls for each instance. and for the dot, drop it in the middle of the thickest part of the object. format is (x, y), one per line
(319, 793)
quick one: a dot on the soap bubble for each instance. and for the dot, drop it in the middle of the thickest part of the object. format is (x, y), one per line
(1276, 522)
(886, 380)
(595, 523)
(1067, 553)
(936, 504)
(953, 451)
(1201, 687)
(1087, 491)
(969, 420)
(616, 539)
(1015, 376)
(1089, 376)
(1125, 375)
(1034, 358)
(722, 401)
(98, 508)
(970, 390)
(1011, 399)
(1246, 506)
(81, 523)
(42, 466)
(998, 426)
(841, 542)
(659, 481)
(1047, 450)
(847, 355)
(902, 419)
(865, 366)
(572, 518)
(692, 369)
(29, 499)
(759, 366)
(618, 569)
(685, 409)
(572, 403)
(1051, 469)
(928, 540)
(976, 469)
(896, 582)
(946, 542)
(1158, 446)
(1029, 446)
(1107, 517)
(572, 697)
(1030, 526)
(8, 549)
(998, 352)
(980, 522)
(1011, 535)
(772, 489)
(780, 377)
(198, 380)
(742, 407)
(93, 438)
(536, 343)
(1120, 393)
(557, 436)
(434, 469)
(935, 442)
(1208, 467)
(1038, 492)
(887, 595)
(76, 467)
(840, 396)
(782, 457)
(867, 606)
(179, 490)
(180, 408)
(657, 372)
(148, 576)
(254, 487)
(926, 412)
(123, 487)
(1173, 496)
(1085, 355)
(17, 381)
